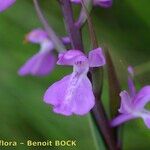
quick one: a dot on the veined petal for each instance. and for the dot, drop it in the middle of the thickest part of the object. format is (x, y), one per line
(55, 94)
(70, 57)
(83, 98)
(103, 3)
(121, 119)
(75, 96)
(4, 4)
(142, 97)
(39, 65)
(36, 36)
(96, 58)
(126, 104)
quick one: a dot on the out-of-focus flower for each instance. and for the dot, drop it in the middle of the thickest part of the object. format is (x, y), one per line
(42, 62)
(73, 94)
(102, 3)
(4, 4)
(133, 104)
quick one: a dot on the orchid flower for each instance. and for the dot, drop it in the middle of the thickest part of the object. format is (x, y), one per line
(102, 3)
(42, 62)
(73, 94)
(133, 104)
(4, 4)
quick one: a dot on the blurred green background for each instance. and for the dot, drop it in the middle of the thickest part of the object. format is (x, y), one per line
(125, 28)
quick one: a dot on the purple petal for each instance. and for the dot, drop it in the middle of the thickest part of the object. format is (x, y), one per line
(70, 100)
(54, 95)
(37, 36)
(4, 4)
(83, 98)
(145, 115)
(126, 106)
(70, 57)
(131, 86)
(131, 71)
(96, 58)
(66, 40)
(121, 119)
(103, 3)
(39, 65)
(147, 122)
(142, 98)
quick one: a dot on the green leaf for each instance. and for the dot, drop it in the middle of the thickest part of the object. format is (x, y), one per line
(113, 84)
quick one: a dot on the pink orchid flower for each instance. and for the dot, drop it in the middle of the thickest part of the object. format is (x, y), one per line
(133, 104)
(73, 94)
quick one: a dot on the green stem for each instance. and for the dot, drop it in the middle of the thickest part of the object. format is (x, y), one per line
(91, 125)
(72, 29)
(52, 35)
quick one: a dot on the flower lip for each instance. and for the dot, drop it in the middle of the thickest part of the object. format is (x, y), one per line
(69, 103)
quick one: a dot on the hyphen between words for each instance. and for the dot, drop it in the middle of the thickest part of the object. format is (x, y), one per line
(30, 143)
